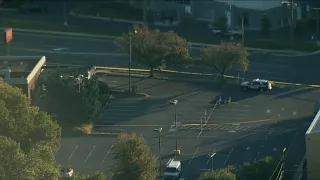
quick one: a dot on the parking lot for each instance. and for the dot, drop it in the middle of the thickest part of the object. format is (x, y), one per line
(203, 126)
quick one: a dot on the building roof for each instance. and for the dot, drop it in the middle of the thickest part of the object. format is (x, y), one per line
(315, 125)
(22, 68)
(255, 5)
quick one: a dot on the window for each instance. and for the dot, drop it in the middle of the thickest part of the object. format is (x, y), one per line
(171, 170)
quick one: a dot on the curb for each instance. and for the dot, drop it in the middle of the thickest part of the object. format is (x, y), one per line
(140, 71)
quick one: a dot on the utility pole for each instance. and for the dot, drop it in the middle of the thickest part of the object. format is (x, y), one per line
(159, 138)
(175, 124)
(242, 25)
(65, 23)
(292, 21)
(145, 12)
(130, 52)
(317, 14)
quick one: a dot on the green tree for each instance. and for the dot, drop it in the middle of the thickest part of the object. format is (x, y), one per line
(36, 133)
(265, 25)
(224, 57)
(178, 50)
(259, 169)
(91, 95)
(152, 47)
(221, 174)
(97, 176)
(134, 160)
(221, 23)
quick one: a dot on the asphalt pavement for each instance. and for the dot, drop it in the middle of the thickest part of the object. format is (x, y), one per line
(251, 127)
(93, 51)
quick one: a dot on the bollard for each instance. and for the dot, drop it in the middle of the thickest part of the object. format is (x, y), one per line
(220, 100)
(238, 78)
(229, 101)
(201, 124)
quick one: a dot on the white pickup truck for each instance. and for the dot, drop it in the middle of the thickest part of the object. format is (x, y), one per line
(229, 33)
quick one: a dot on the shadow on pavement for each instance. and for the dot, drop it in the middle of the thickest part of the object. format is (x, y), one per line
(253, 145)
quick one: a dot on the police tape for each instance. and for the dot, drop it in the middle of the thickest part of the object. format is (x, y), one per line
(199, 74)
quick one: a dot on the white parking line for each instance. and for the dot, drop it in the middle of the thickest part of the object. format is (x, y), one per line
(105, 157)
(57, 149)
(124, 106)
(225, 162)
(90, 153)
(194, 155)
(73, 152)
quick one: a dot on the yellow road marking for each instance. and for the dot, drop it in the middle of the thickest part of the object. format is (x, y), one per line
(196, 124)
(203, 74)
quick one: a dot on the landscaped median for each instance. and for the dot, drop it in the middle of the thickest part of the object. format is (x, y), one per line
(185, 76)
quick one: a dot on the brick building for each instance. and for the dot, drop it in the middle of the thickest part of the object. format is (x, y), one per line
(22, 72)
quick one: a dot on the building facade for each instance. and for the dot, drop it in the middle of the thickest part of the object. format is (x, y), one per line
(251, 11)
(24, 73)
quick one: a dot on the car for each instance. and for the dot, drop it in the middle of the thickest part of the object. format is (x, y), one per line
(174, 102)
(256, 84)
(66, 172)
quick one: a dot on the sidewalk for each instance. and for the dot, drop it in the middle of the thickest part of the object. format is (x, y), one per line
(193, 44)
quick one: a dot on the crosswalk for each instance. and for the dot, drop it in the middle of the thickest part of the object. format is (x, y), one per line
(231, 128)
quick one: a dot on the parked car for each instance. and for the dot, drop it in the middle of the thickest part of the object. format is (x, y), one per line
(66, 172)
(230, 32)
(32, 8)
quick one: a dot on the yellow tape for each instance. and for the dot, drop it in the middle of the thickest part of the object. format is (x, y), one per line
(203, 74)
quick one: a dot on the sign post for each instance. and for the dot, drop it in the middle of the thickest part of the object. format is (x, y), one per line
(8, 36)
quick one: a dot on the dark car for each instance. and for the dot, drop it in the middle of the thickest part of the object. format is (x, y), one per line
(32, 8)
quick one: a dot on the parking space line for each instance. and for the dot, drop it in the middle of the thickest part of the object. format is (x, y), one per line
(225, 162)
(73, 152)
(90, 153)
(194, 155)
(105, 157)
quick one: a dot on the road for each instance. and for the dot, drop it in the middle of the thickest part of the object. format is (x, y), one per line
(92, 51)
(56, 15)
(253, 126)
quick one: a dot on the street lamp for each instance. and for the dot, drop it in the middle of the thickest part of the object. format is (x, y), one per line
(292, 6)
(130, 52)
(175, 102)
(211, 155)
(159, 139)
(317, 9)
(65, 13)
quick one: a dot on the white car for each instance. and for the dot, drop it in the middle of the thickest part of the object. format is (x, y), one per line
(66, 172)
(174, 102)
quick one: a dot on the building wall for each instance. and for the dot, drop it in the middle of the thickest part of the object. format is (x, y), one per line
(312, 154)
(212, 10)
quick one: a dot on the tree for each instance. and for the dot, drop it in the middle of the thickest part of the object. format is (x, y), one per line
(265, 25)
(224, 57)
(152, 47)
(134, 160)
(36, 134)
(221, 174)
(97, 176)
(260, 169)
(178, 49)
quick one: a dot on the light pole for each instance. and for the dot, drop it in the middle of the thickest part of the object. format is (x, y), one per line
(159, 140)
(211, 155)
(292, 6)
(317, 9)
(175, 102)
(65, 13)
(130, 54)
